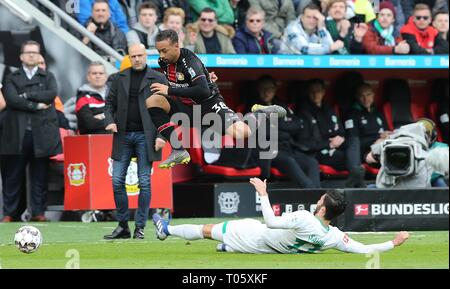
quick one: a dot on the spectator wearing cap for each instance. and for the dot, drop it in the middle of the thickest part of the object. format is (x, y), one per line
(117, 16)
(145, 30)
(440, 22)
(347, 38)
(278, 14)
(252, 38)
(308, 34)
(380, 39)
(418, 32)
(101, 25)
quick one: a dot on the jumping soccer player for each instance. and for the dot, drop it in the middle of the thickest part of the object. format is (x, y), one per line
(297, 232)
(190, 84)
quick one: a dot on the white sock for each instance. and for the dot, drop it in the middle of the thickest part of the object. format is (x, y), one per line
(188, 232)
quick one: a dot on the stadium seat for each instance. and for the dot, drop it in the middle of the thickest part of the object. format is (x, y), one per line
(277, 173)
(63, 133)
(196, 152)
(397, 107)
(371, 170)
(331, 172)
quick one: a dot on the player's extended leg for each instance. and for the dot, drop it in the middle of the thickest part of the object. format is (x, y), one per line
(190, 232)
(159, 108)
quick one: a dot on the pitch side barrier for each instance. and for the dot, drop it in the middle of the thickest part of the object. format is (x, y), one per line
(367, 209)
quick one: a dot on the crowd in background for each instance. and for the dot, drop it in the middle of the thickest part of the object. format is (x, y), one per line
(309, 27)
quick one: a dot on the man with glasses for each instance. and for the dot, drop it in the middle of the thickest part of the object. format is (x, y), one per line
(211, 39)
(418, 32)
(30, 133)
(253, 38)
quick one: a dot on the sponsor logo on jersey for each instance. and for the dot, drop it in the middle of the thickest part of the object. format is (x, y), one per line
(180, 76)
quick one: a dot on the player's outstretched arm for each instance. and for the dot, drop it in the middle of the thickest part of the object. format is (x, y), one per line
(273, 222)
(352, 246)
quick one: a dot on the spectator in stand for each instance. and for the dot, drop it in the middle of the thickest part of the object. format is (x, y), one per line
(308, 34)
(380, 38)
(91, 101)
(252, 38)
(174, 20)
(420, 36)
(118, 18)
(347, 38)
(59, 106)
(30, 133)
(365, 125)
(323, 4)
(2, 99)
(278, 14)
(163, 5)
(212, 38)
(240, 8)
(440, 22)
(435, 5)
(328, 136)
(145, 30)
(222, 8)
(301, 168)
(100, 24)
(130, 10)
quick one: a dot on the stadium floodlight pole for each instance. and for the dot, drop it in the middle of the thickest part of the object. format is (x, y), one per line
(80, 28)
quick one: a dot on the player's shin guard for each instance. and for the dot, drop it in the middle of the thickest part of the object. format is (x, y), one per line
(187, 232)
(165, 126)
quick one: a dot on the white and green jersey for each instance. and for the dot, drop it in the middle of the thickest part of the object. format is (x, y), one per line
(297, 232)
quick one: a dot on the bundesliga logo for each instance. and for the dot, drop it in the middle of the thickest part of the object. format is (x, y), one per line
(362, 210)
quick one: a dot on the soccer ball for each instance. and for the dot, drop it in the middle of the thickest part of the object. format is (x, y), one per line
(28, 239)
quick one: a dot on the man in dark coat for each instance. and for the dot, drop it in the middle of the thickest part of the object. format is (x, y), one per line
(134, 135)
(30, 133)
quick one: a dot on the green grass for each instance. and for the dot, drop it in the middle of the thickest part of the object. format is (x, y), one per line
(423, 250)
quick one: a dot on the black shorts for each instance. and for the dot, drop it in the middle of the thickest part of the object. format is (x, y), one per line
(215, 105)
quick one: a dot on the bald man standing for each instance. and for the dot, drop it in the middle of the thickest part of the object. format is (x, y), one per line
(134, 135)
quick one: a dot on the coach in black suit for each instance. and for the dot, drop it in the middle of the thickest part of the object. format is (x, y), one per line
(30, 132)
(127, 117)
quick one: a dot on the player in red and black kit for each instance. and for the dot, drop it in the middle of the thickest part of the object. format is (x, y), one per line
(190, 84)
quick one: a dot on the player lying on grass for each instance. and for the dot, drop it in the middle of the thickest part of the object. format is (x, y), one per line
(297, 232)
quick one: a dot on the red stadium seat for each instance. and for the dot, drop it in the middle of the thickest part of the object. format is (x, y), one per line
(196, 152)
(276, 172)
(63, 133)
(329, 171)
(371, 170)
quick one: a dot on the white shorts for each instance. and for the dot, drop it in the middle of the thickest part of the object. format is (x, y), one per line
(246, 236)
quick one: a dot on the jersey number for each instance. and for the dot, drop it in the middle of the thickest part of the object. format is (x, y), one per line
(219, 106)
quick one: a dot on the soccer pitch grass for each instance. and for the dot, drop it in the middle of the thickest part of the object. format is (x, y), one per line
(65, 240)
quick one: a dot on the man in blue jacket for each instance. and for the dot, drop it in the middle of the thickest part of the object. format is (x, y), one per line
(117, 15)
(252, 38)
